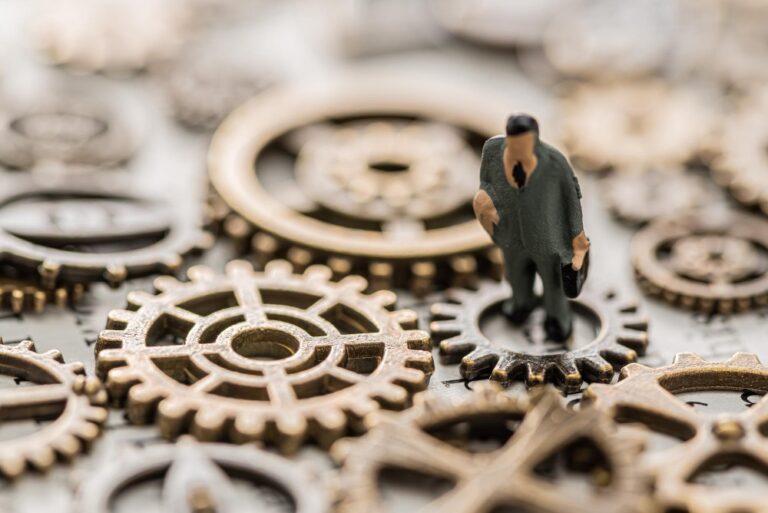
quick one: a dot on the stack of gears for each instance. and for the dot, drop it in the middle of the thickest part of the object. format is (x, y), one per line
(327, 197)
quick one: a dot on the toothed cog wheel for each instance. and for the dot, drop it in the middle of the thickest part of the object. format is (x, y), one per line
(647, 395)
(620, 335)
(505, 477)
(57, 392)
(273, 355)
(367, 176)
(19, 295)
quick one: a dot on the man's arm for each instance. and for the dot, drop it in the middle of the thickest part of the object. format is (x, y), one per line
(485, 212)
(572, 195)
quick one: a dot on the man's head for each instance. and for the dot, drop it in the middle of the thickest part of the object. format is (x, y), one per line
(522, 134)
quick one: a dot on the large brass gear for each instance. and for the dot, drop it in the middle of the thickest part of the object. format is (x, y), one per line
(645, 123)
(647, 395)
(84, 233)
(622, 334)
(272, 355)
(486, 480)
(705, 263)
(414, 251)
(200, 478)
(60, 393)
(742, 163)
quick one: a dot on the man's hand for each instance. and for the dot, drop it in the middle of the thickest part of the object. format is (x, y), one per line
(580, 248)
(485, 212)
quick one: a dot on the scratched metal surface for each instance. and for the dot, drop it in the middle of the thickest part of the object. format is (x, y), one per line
(172, 158)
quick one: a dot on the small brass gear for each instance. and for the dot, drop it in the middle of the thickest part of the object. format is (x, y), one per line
(61, 393)
(20, 295)
(487, 480)
(622, 334)
(647, 395)
(200, 477)
(270, 219)
(705, 263)
(272, 355)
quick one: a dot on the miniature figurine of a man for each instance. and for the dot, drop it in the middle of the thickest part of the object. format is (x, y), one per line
(529, 203)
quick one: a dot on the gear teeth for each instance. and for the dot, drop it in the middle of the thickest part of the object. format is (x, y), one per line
(476, 362)
(381, 275)
(422, 361)
(278, 269)
(118, 318)
(330, 426)
(115, 274)
(418, 340)
(300, 258)
(636, 340)
(445, 311)
(236, 269)
(412, 379)
(361, 410)
(49, 272)
(142, 403)
(24, 346)
(165, 283)
(318, 273)
(596, 368)
(386, 299)
(353, 283)
(119, 380)
(248, 427)
(457, 346)
(200, 274)
(291, 428)
(340, 266)
(407, 319)
(445, 329)
(464, 271)
(171, 262)
(391, 395)
(422, 277)
(632, 370)
(138, 298)
(635, 323)
(265, 247)
(174, 417)
(745, 360)
(619, 355)
(687, 359)
(208, 425)
(109, 339)
(536, 373)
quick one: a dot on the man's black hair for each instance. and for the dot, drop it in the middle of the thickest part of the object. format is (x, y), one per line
(521, 123)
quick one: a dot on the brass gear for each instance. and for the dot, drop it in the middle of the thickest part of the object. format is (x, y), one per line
(621, 336)
(638, 196)
(20, 295)
(646, 395)
(199, 477)
(742, 164)
(82, 234)
(414, 252)
(60, 392)
(195, 354)
(704, 263)
(646, 123)
(504, 477)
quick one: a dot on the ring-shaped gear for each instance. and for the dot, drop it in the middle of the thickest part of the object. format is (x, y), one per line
(417, 252)
(638, 196)
(646, 123)
(647, 395)
(66, 131)
(199, 477)
(384, 170)
(272, 355)
(621, 336)
(742, 164)
(485, 480)
(702, 263)
(65, 218)
(22, 295)
(60, 392)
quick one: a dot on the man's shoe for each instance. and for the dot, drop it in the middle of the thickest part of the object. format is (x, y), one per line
(517, 315)
(555, 332)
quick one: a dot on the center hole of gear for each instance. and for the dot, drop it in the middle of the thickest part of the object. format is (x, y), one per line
(265, 344)
(530, 337)
(387, 166)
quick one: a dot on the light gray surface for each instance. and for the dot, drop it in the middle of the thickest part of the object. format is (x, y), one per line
(171, 160)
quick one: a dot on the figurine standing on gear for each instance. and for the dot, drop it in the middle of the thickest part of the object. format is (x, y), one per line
(529, 203)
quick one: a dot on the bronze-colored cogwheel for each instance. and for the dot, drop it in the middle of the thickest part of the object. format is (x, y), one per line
(638, 196)
(61, 394)
(84, 233)
(505, 477)
(645, 123)
(704, 263)
(114, 36)
(202, 478)
(21, 295)
(385, 171)
(742, 164)
(647, 395)
(411, 251)
(272, 355)
(621, 335)
(66, 130)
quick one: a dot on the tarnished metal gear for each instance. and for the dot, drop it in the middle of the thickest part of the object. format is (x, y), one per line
(200, 477)
(59, 393)
(505, 477)
(408, 251)
(638, 196)
(21, 295)
(204, 88)
(620, 336)
(65, 131)
(388, 171)
(646, 124)
(742, 163)
(114, 36)
(82, 234)
(647, 395)
(704, 263)
(273, 355)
